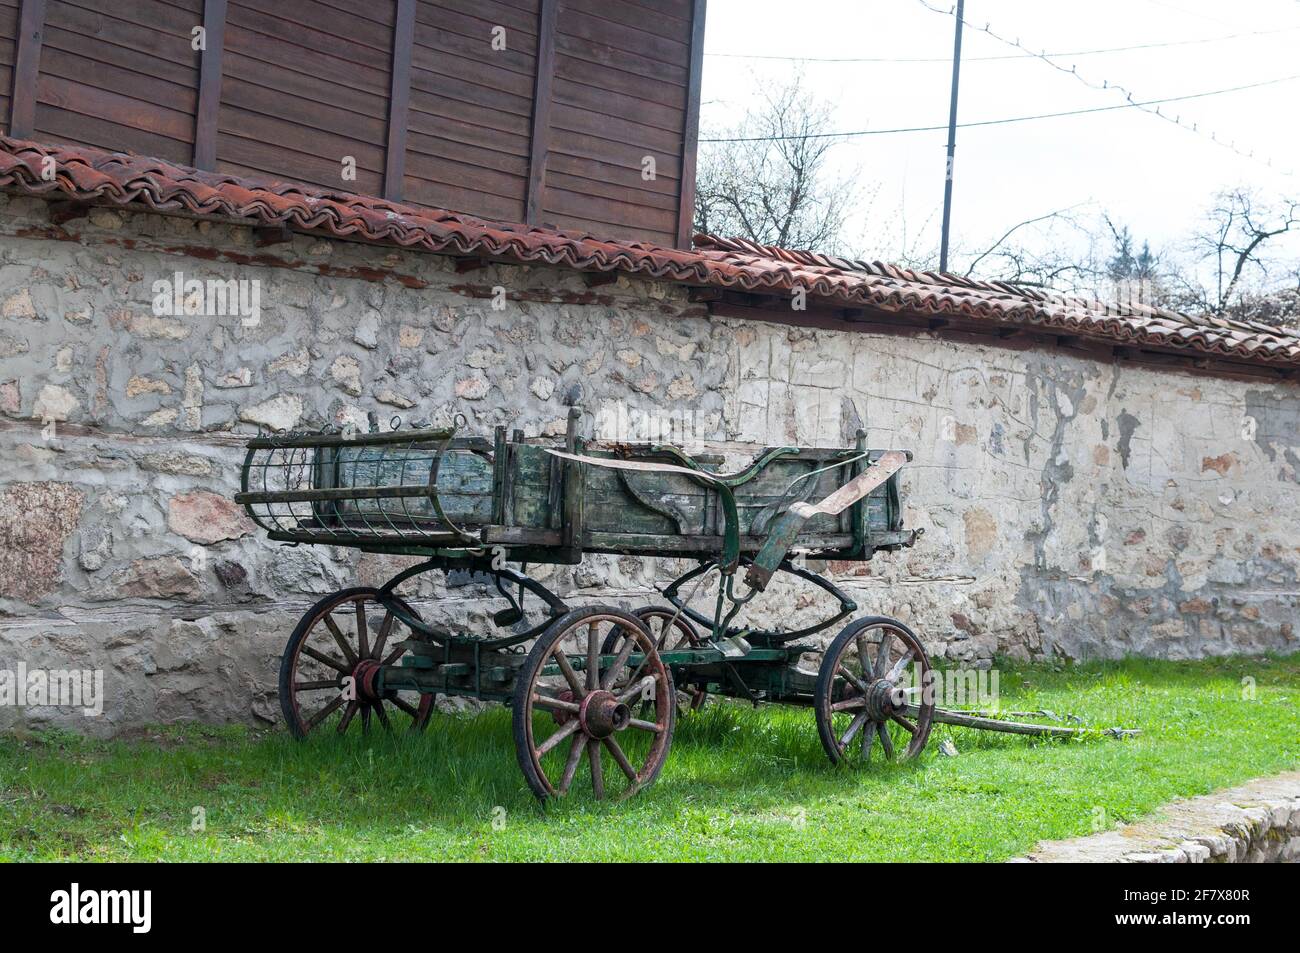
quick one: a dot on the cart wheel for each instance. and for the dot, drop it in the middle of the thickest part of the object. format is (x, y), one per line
(571, 699)
(671, 630)
(337, 639)
(862, 694)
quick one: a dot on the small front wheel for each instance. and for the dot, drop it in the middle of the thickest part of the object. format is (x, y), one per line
(864, 697)
(573, 700)
(327, 672)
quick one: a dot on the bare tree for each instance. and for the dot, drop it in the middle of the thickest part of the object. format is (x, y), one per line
(770, 183)
(1238, 230)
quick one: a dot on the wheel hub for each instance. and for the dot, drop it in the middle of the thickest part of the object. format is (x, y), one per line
(883, 698)
(364, 677)
(601, 714)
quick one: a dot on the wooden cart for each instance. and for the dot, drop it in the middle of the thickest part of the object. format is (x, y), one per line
(598, 684)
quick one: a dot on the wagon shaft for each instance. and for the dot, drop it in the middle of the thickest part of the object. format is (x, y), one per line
(965, 720)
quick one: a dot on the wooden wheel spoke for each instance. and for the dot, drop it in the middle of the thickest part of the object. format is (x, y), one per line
(868, 739)
(571, 765)
(854, 727)
(864, 660)
(405, 706)
(632, 692)
(885, 741)
(348, 714)
(563, 732)
(849, 703)
(882, 658)
(317, 685)
(321, 715)
(621, 759)
(554, 704)
(644, 725)
(384, 628)
(381, 715)
(570, 675)
(899, 666)
(907, 725)
(363, 639)
(597, 775)
(398, 651)
(341, 639)
(629, 643)
(857, 683)
(365, 719)
(326, 660)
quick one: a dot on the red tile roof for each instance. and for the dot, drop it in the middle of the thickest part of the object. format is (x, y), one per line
(91, 175)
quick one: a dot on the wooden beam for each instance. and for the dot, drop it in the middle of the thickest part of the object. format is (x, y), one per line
(539, 143)
(399, 97)
(205, 119)
(27, 65)
(691, 134)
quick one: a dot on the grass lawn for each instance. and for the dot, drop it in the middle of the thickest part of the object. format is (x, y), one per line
(739, 784)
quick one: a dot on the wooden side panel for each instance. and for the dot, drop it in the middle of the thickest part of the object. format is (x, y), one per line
(471, 105)
(8, 30)
(120, 76)
(618, 117)
(305, 85)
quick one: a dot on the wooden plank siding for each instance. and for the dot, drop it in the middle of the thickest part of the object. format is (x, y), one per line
(8, 32)
(305, 85)
(120, 76)
(413, 90)
(620, 89)
(470, 106)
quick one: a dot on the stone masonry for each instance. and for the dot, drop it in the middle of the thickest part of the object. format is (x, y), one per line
(1070, 507)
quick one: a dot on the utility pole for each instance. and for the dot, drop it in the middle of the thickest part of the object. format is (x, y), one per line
(952, 140)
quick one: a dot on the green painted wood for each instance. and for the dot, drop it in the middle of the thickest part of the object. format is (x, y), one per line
(376, 489)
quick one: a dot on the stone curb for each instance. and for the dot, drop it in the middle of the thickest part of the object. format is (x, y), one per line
(1258, 822)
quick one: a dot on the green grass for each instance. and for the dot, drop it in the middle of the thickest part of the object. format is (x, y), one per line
(739, 784)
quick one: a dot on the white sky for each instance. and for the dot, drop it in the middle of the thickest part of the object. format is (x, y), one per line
(1150, 174)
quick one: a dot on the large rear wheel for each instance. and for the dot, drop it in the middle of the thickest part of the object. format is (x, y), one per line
(576, 705)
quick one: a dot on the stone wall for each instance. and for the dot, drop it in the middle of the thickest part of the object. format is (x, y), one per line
(1256, 823)
(1070, 507)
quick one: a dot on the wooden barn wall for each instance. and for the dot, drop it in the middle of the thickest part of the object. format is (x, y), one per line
(304, 85)
(8, 30)
(556, 128)
(619, 95)
(119, 75)
(468, 126)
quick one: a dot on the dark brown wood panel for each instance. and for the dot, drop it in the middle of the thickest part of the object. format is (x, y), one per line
(297, 85)
(90, 49)
(8, 30)
(456, 199)
(122, 76)
(468, 134)
(623, 68)
(475, 72)
(436, 167)
(517, 58)
(265, 160)
(60, 125)
(305, 85)
(522, 17)
(648, 112)
(471, 106)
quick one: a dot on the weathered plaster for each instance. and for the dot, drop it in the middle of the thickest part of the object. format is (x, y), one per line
(1070, 507)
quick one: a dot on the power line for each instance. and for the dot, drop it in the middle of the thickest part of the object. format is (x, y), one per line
(1008, 56)
(1107, 85)
(1012, 119)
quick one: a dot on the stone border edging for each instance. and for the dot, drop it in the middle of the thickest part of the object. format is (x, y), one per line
(1258, 822)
